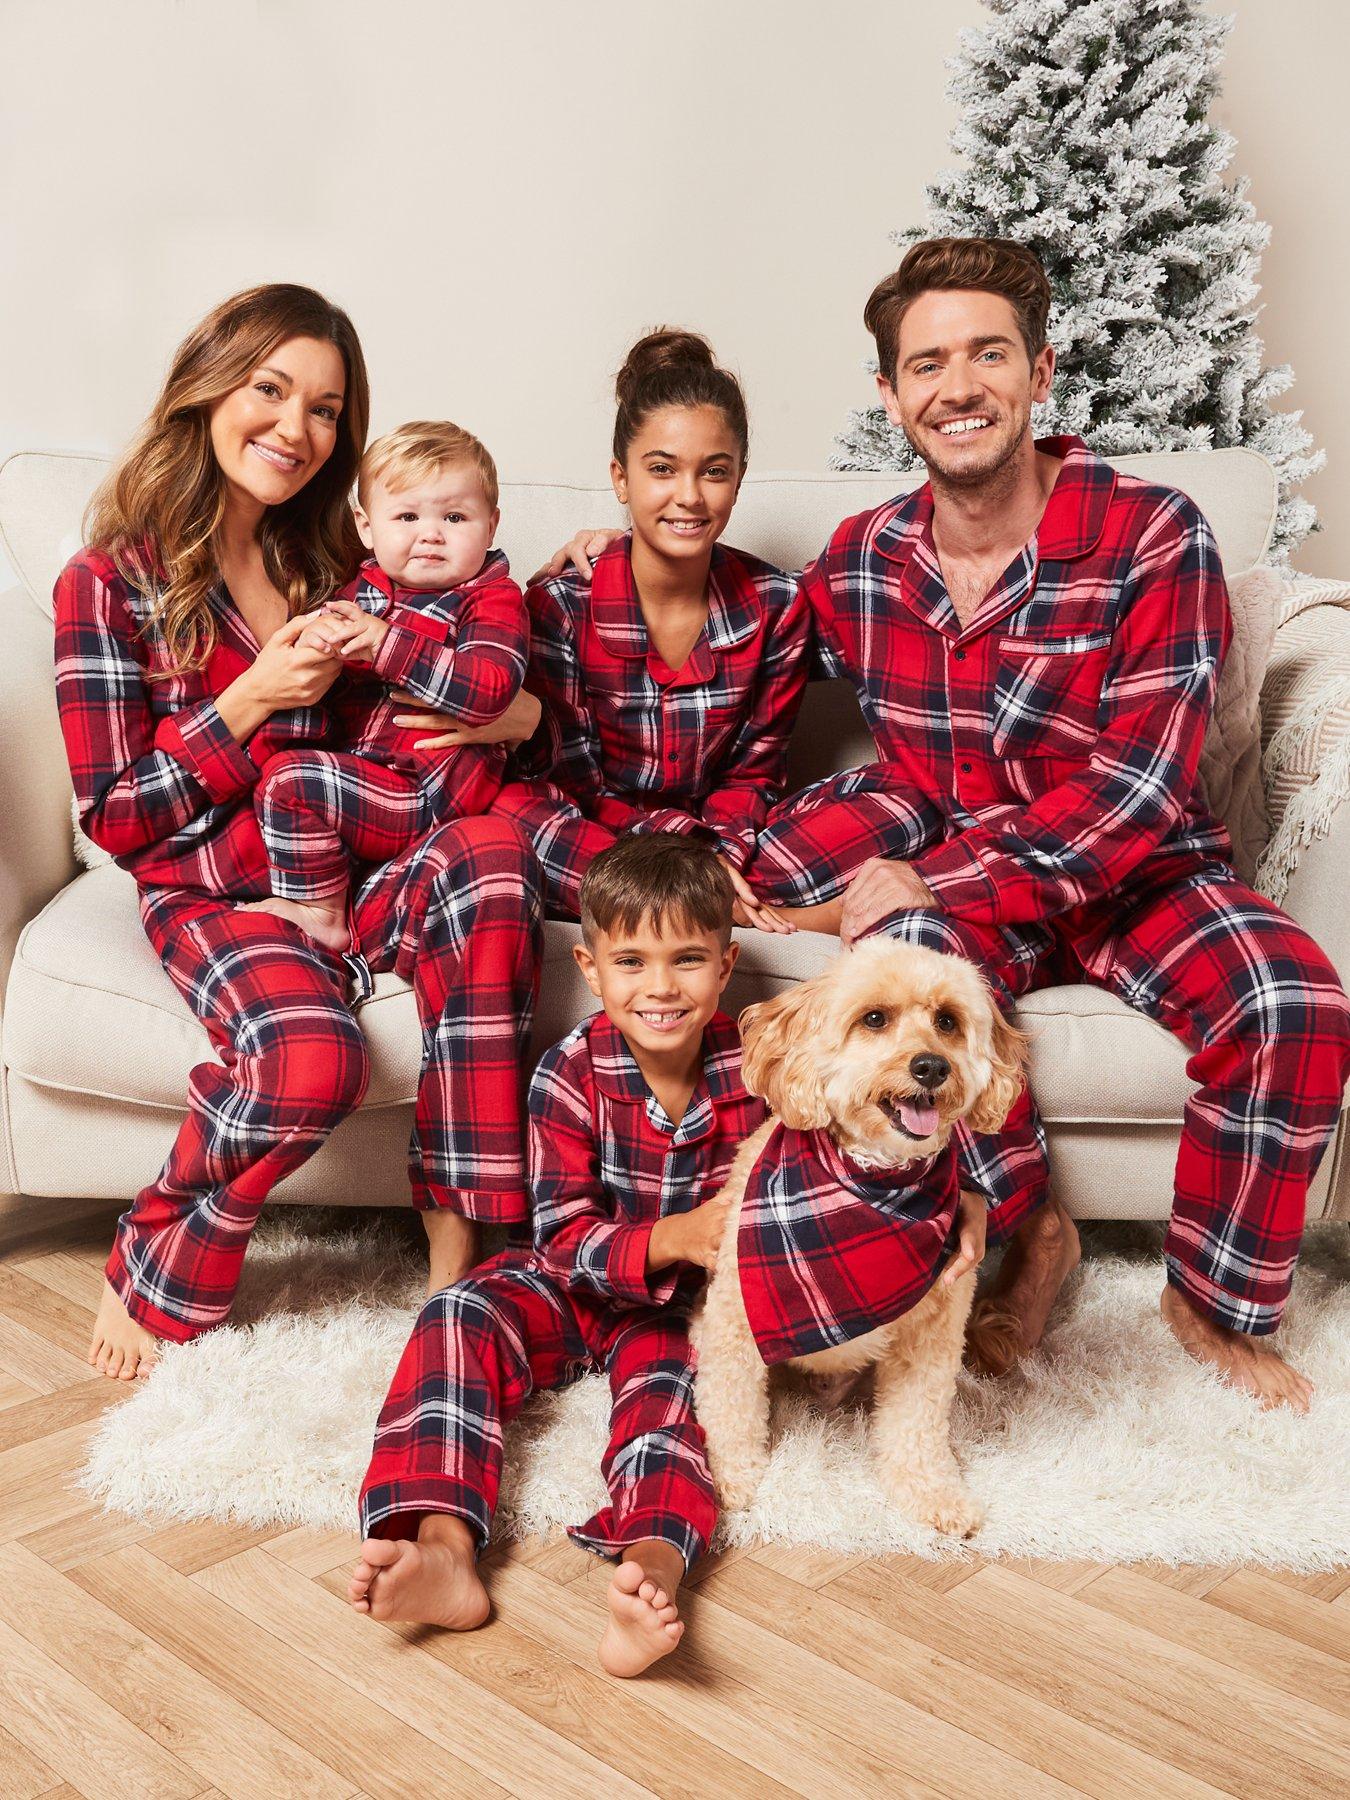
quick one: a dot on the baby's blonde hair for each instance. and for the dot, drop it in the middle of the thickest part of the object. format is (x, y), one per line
(415, 451)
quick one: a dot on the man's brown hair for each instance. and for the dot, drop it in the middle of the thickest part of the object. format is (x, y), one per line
(671, 881)
(993, 265)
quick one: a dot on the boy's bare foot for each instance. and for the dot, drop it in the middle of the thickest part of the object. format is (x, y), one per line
(1008, 1322)
(120, 1348)
(432, 1582)
(644, 1623)
(324, 921)
(453, 1243)
(1241, 1360)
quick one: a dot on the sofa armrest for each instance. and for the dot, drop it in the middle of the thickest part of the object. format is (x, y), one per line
(1305, 732)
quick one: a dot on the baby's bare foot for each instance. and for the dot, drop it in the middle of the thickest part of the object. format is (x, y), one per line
(120, 1348)
(427, 1583)
(644, 1623)
(1241, 1360)
(326, 924)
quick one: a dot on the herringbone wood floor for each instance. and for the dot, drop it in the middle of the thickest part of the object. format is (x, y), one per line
(202, 1660)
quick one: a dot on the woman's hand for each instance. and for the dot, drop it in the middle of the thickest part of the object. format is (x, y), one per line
(514, 726)
(580, 551)
(972, 1217)
(286, 672)
(750, 911)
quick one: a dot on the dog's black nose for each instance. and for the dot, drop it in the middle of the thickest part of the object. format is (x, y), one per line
(930, 1071)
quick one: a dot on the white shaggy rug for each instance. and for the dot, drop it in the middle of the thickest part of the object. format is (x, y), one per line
(1111, 1445)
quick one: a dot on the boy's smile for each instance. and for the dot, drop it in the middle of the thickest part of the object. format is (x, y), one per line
(660, 987)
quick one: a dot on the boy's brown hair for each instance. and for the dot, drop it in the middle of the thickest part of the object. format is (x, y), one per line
(417, 450)
(993, 265)
(658, 876)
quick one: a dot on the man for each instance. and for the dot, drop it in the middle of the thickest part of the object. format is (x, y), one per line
(1035, 641)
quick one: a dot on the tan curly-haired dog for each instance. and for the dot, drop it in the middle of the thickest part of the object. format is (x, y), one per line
(886, 1051)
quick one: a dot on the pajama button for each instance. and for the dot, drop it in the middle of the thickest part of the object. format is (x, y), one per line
(965, 768)
(960, 656)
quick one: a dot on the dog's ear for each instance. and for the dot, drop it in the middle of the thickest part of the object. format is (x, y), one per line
(780, 1058)
(1007, 1074)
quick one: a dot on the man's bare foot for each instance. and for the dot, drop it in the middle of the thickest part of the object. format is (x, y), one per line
(1242, 1361)
(644, 1623)
(453, 1242)
(432, 1582)
(323, 920)
(120, 1348)
(1008, 1322)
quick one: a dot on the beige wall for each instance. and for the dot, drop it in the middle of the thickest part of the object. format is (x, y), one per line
(503, 196)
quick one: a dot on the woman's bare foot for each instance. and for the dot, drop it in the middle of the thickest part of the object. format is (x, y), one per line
(453, 1242)
(644, 1622)
(323, 920)
(432, 1582)
(1241, 1360)
(1008, 1322)
(120, 1348)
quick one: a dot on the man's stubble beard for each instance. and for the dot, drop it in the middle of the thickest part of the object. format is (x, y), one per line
(992, 481)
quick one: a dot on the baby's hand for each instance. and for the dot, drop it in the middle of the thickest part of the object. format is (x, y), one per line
(356, 635)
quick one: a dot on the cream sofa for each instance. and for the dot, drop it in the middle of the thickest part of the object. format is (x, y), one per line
(96, 1045)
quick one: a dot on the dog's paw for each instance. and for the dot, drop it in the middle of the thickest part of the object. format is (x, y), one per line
(951, 1511)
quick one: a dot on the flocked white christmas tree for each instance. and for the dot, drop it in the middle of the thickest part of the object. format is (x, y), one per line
(1085, 133)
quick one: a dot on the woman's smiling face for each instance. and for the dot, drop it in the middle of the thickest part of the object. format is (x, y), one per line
(680, 480)
(278, 429)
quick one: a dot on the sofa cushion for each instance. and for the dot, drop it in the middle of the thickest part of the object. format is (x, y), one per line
(90, 1011)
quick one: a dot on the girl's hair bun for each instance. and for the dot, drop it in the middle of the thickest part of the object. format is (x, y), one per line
(669, 367)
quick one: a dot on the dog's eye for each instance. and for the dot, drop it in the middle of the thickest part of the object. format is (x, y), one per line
(945, 1021)
(874, 1020)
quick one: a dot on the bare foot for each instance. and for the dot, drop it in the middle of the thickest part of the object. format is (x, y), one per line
(323, 920)
(120, 1348)
(432, 1582)
(1241, 1360)
(644, 1623)
(453, 1242)
(1008, 1322)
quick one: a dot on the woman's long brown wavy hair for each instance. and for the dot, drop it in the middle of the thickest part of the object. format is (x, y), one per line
(158, 512)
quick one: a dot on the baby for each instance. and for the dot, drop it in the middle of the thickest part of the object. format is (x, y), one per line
(434, 611)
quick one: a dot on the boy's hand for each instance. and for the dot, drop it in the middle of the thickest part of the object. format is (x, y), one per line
(972, 1217)
(356, 635)
(691, 1237)
(747, 909)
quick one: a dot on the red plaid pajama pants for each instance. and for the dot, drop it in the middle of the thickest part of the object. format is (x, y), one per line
(318, 810)
(477, 1352)
(458, 917)
(564, 839)
(1268, 1025)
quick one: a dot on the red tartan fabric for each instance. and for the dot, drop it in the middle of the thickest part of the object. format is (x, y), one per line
(606, 1163)
(827, 1251)
(479, 1350)
(1052, 745)
(626, 743)
(160, 782)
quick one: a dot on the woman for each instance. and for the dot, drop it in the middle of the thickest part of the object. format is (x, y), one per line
(670, 681)
(178, 673)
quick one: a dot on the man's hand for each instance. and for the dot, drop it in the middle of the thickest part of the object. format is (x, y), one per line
(881, 887)
(580, 551)
(973, 1220)
(514, 726)
(691, 1237)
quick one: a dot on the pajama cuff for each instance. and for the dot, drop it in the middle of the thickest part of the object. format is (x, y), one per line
(395, 1509)
(510, 1207)
(1254, 1318)
(603, 1536)
(159, 1324)
(959, 879)
(199, 738)
(399, 654)
(626, 1273)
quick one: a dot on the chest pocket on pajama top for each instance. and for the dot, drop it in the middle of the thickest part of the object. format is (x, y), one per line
(1047, 692)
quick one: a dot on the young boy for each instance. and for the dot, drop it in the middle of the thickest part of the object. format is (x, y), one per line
(635, 1118)
(433, 611)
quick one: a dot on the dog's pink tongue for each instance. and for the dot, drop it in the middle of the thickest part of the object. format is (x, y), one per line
(920, 1121)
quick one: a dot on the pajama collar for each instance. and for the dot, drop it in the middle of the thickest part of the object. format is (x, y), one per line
(735, 607)
(828, 1251)
(1071, 527)
(377, 592)
(617, 1074)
